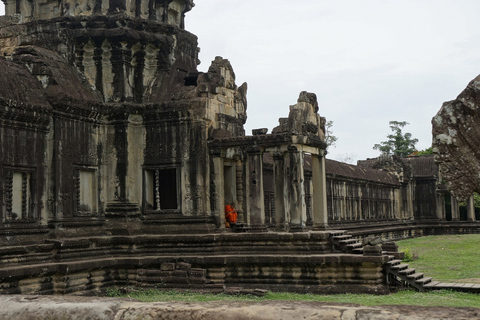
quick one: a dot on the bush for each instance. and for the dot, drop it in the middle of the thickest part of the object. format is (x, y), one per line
(409, 255)
(113, 292)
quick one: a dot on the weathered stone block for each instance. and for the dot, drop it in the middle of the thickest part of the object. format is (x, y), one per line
(180, 273)
(167, 266)
(183, 266)
(194, 272)
(257, 132)
(372, 250)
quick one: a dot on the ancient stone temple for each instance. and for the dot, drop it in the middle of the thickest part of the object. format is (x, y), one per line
(117, 158)
(107, 120)
(108, 129)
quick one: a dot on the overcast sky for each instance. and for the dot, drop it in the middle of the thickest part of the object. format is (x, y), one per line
(368, 61)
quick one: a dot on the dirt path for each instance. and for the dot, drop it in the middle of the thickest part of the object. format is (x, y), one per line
(80, 308)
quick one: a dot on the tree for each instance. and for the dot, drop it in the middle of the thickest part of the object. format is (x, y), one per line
(347, 157)
(398, 143)
(330, 139)
(425, 152)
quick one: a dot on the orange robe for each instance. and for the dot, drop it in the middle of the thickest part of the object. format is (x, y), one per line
(230, 214)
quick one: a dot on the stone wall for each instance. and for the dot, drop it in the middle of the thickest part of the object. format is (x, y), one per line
(124, 114)
(299, 262)
(164, 11)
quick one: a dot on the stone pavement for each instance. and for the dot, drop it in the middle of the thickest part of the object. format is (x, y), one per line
(94, 308)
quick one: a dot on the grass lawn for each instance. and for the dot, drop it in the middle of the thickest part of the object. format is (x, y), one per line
(454, 258)
(445, 258)
(407, 297)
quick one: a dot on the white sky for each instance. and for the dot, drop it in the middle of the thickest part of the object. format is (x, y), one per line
(368, 61)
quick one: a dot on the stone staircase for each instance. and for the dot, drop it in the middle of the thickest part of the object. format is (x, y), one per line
(398, 273)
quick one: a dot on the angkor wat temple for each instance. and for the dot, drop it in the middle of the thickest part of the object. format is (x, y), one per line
(118, 157)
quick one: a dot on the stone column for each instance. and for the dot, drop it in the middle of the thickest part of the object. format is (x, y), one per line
(10, 7)
(255, 208)
(136, 138)
(441, 206)
(218, 193)
(471, 209)
(455, 209)
(121, 148)
(411, 209)
(239, 167)
(319, 193)
(296, 190)
(282, 218)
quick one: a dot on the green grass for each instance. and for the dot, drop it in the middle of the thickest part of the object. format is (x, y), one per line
(446, 258)
(407, 297)
(454, 258)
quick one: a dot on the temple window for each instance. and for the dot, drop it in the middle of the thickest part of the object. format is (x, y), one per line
(19, 202)
(87, 191)
(161, 190)
(173, 17)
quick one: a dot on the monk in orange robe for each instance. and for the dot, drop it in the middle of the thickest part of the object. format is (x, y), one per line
(230, 215)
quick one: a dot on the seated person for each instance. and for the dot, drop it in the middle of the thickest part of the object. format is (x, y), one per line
(230, 215)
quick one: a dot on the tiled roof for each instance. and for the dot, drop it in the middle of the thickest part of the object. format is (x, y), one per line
(422, 166)
(336, 168)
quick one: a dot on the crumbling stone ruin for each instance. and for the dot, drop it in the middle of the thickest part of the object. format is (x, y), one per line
(118, 157)
(456, 138)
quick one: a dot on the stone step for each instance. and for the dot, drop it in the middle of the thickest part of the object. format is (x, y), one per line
(342, 237)
(394, 262)
(415, 276)
(348, 241)
(424, 280)
(337, 232)
(354, 245)
(396, 255)
(400, 266)
(358, 250)
(407, 271)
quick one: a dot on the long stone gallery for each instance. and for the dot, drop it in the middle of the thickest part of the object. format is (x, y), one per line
(118, 157)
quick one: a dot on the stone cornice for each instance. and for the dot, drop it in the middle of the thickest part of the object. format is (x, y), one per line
(266, 141)
(19, 114)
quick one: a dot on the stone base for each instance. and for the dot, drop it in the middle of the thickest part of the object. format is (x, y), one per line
(69, 307)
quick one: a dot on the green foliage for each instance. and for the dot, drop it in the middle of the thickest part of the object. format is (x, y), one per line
(408, 255)
(425, 152)
(157, 295)
(330, 139)
(113, 292)
(398, 143)
(476, 202)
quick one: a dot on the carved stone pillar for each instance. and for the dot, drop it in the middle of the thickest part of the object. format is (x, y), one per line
(441, 206)
(319, 193)
(296, 190)
(121, 148)
(254, 182)
(10, 7)
(218, 193)
(455, 209)
(240, 195)
(282, 217)
(471, 209)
